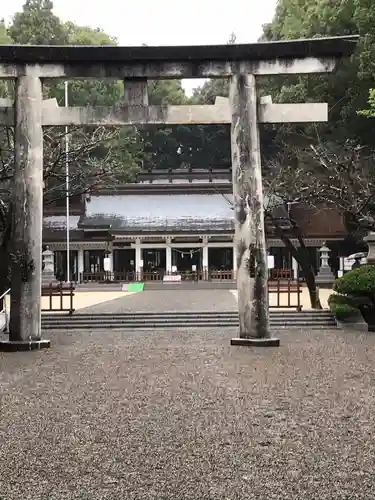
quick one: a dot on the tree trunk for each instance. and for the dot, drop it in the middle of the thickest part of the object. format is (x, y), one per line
(27, 210)
(302, 257)
(252, 272)
(313, 290)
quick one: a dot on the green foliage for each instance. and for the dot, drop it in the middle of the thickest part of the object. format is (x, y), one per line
(88, 92)
(4, 39)
(358, 288)
(166, 92)
(370, 112)
(346, 90)
(38, 25)
(121, 150)
(357, 283)
(342, 307)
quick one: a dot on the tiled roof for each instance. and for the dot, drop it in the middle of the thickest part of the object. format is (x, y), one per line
(58, 222)
(151, 213)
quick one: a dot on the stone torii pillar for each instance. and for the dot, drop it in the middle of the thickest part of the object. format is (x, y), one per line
(27, 213)
(250, 239)
(27, 216)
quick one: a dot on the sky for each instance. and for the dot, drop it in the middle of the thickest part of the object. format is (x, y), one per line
(165, 22)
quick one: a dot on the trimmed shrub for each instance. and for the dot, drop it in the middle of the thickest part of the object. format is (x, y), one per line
(357, 283)
(342, 307)
(357, 290)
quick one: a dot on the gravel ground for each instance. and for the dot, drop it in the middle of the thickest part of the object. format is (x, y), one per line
(168, 300)
(163, 415)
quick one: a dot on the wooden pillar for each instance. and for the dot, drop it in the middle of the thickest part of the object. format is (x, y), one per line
(250, 241)
(168, 258)
(27, 212)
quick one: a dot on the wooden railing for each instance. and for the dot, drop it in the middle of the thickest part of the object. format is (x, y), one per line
(199, 275)
(61, 297)
(285, 293)
(126, 277)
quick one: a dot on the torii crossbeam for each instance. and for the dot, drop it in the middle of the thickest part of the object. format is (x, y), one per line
(29, 65)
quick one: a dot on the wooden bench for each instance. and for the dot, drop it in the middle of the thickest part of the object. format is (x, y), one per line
(289, 287)
(59, 290)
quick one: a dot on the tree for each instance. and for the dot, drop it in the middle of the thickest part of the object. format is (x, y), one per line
(337, 178)
(4, 39)
(340, 176)
(370, 111)
(345, 90)
(36, 24)
(288, 228)
(87, 173)
(124, 145)
(97, 156)
(169, 147)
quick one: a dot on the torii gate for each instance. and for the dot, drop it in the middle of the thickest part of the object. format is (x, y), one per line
(29, 65)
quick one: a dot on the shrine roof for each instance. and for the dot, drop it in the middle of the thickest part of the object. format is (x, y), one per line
(155, 213)
(338, 47)
(152, 213)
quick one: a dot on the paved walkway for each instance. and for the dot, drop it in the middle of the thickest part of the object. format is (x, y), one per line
(168, 300)
(175, 300)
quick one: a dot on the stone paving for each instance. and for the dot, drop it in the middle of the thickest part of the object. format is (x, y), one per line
(183, 416)
(168, 300)
(177, 300)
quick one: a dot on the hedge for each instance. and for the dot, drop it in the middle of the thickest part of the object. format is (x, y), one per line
(358, 282)
(342, 307)
(355, 291)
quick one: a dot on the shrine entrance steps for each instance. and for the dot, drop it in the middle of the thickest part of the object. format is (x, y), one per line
(309, 319)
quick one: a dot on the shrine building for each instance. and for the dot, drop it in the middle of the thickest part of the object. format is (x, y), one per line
(181, 222)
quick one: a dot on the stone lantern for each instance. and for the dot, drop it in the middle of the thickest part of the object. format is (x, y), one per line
(325, 276)
(48, 274)
(370, 240)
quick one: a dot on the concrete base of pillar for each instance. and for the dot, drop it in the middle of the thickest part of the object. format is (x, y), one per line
(256, 342)
(24, 345)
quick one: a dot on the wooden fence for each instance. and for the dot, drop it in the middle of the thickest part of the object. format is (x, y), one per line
(285, 293)
(145, 276)
(60, 297)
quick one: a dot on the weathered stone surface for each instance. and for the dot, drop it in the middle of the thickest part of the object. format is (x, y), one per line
(172, 115)
(250, 242)
(370, 240)
(339, 46)
(265, 58)
(27, 206)
(135, 93)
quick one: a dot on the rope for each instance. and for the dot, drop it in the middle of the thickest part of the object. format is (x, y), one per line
(190, 252)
